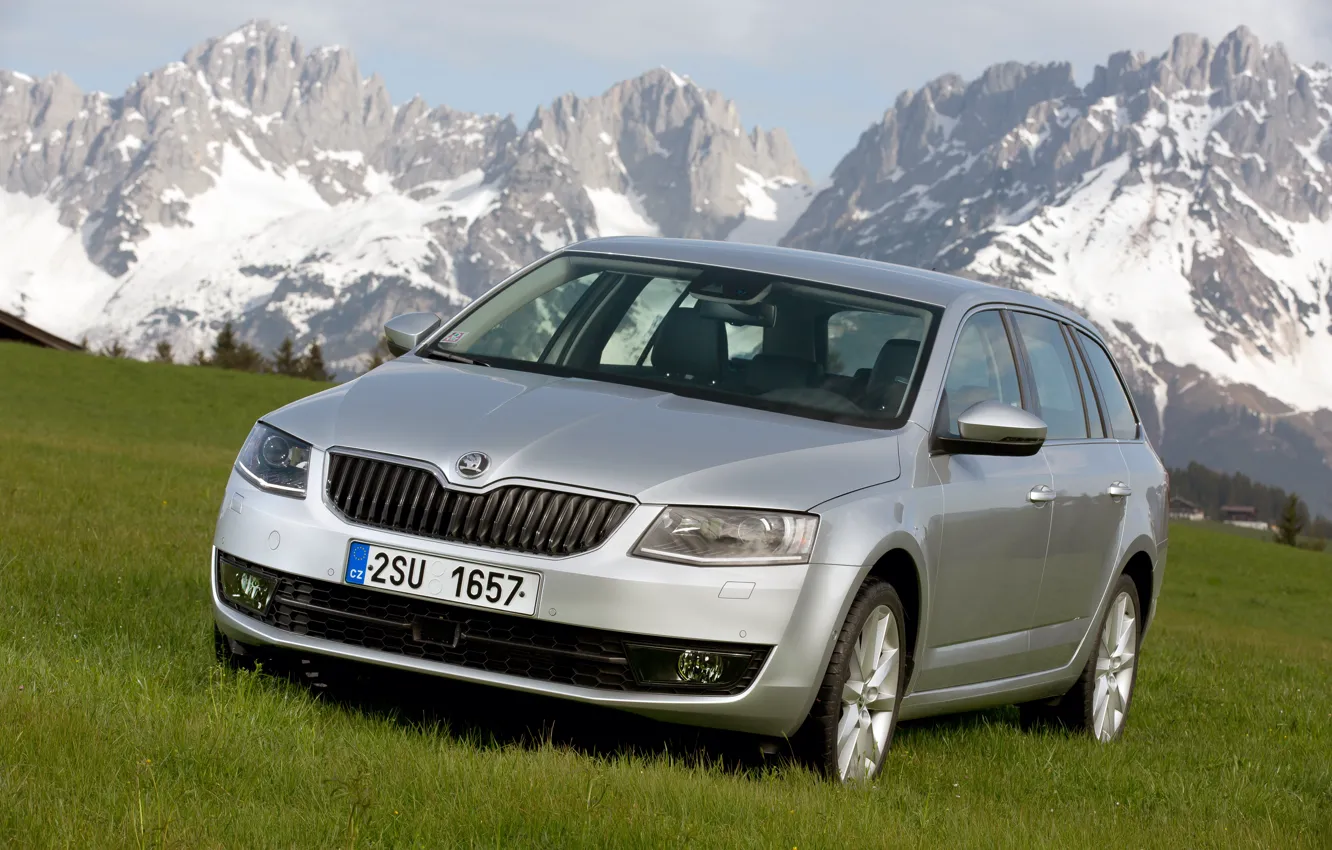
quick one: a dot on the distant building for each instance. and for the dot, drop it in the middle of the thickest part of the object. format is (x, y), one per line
(1184, 509)
(1242, 515)
(14, 329)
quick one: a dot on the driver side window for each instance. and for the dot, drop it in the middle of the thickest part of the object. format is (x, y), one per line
(982, 369)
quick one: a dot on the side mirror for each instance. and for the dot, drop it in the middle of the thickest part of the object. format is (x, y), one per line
(406, 331)
(995, 428)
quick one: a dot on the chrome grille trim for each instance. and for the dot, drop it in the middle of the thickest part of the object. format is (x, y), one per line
(409, 498)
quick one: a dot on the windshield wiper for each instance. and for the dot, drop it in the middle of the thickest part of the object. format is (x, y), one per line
(436, 354)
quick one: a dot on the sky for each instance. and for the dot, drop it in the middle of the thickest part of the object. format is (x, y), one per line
(823, 70)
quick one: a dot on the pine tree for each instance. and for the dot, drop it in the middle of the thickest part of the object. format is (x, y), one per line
(285, 360)
(1292, 521)
(228, 353)
(224, 348)
(379, 355)
(248, 359)
(312, 364)
(163, 354)
(114, 349)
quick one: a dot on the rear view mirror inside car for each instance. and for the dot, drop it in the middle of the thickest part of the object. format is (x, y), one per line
(761, 315)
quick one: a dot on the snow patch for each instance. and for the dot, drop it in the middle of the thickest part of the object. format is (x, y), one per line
(248, 144)
(234, 109)
(772, 206)
(548, 241)
(354, 159)
(262, 121)
(46, 275)
(1123, 253)
(126, 146)
(251, 218)
(618, 214)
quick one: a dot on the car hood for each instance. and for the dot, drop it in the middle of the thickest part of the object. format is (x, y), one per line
(656, 446)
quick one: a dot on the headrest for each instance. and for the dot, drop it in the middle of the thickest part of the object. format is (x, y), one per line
(690, 345)
(767, 372)
(892, 372)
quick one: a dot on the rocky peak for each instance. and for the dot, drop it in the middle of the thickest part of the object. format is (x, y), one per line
(665, 143)
(1198, 178)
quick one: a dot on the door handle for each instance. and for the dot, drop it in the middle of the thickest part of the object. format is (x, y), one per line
(1040, 494)
(1119, 490)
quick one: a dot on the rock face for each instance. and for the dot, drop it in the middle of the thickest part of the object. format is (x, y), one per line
(257, 182)
(1181, 201)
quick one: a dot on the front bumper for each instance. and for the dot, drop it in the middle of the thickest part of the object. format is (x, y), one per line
(793, 611)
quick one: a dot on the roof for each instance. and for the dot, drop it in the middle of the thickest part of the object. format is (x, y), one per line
(930, 287)
(14, 328)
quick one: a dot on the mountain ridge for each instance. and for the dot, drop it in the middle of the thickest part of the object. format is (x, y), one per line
(1179, 199)
(299, 200)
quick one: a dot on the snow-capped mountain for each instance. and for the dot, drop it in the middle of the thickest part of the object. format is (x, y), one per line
(259, 182)
(1182, 201)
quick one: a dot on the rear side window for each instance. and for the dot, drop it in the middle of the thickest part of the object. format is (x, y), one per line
(1088, 394)
(1118, 410)
(982, 369)
(1057, 390)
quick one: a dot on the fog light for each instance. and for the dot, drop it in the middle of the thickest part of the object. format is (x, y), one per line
(703, 668)
(245, 588)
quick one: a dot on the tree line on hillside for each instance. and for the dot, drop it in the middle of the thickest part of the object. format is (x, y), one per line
(1209, 490)
(229, 352)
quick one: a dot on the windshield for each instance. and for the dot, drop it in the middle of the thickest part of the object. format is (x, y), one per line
(721, 334)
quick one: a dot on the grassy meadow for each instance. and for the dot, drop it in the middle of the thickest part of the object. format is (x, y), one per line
(118, 729)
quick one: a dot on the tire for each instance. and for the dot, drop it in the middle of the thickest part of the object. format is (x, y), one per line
(1092, 706)
(849, 740)
(230, 653)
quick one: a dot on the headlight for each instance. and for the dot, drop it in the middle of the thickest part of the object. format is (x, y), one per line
(724, 537)
(275, 461)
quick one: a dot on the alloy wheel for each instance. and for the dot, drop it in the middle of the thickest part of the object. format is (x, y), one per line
(869, 696)
(1116, 655)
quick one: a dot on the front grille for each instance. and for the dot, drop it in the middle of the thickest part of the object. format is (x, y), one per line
(480, 640)
(408, 499)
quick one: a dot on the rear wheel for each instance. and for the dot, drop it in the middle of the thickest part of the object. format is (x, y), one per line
(1098, 703)
(851, 724)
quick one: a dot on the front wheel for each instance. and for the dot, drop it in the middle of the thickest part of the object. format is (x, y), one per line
(1098, 703)
(850, 726)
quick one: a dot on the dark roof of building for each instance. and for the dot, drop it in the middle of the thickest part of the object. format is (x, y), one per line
(14, 328)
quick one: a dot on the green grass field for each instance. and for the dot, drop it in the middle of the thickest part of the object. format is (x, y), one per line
(118, 729)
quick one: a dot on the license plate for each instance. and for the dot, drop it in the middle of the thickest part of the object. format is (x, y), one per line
(402, 571)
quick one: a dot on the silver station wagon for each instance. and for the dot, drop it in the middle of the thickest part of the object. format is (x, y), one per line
(773, 491)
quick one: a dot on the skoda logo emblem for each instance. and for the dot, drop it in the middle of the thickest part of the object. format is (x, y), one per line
(473, 464)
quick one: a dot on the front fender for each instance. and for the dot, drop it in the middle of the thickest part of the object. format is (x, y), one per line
(860, 529)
